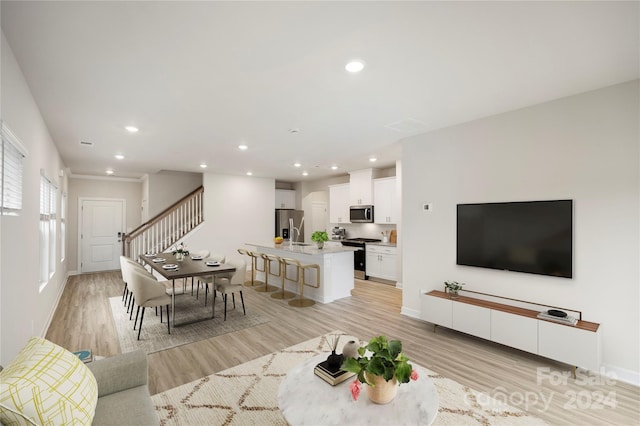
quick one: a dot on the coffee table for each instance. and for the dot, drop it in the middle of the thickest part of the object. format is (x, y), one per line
(305, 399)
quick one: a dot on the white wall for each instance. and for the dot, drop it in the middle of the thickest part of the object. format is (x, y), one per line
(167, 187)
(24, 310)
(584, 148)
(106, 188)
(237, 210)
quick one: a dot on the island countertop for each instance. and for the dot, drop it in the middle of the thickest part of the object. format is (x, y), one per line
(311, 249)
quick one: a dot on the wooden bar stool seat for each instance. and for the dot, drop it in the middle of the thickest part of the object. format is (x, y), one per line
(254, 267)
(302, 302)
(283, 294)
(268, 261)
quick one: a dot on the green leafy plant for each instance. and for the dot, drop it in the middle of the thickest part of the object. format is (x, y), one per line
(381, 357)
(319, 236)
(453, 286)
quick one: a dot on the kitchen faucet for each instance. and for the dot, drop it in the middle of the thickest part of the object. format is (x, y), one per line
(293, 229)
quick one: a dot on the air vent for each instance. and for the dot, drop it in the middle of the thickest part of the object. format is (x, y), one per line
(408, 125)
(85, 143)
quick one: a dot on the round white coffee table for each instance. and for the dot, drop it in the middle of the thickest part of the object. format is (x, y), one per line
(305, 399)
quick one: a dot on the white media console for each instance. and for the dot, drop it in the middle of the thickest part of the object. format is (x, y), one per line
(516, 327)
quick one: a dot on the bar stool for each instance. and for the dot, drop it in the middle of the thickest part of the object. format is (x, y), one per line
(268, 258)
(302, 302)
(254, 267)
(283, 294)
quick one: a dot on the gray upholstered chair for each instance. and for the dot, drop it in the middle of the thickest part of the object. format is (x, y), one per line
(127, 265)
(206, 280)
(231, 285)
(148, 293)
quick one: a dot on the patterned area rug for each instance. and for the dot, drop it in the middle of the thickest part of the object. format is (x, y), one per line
(248, 395)
(154, 336)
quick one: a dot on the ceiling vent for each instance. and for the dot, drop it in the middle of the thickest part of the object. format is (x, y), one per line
(85, 143)
(408, 125)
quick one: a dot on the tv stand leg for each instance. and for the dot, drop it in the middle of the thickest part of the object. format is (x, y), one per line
(574, 372)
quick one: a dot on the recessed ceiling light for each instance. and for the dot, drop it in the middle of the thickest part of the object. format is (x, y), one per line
(249, 174)
(294, 130)
(334, 167)
(305, 173)
(355, 66)
(119, 156)
(297, 164)
(203, 166)
(243, 147)
(110, 172)
(373, 159)
(131, 129)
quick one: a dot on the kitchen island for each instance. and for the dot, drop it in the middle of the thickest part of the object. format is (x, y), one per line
(336, 269)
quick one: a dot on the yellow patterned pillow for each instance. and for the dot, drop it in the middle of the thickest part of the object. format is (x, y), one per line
(47, 385)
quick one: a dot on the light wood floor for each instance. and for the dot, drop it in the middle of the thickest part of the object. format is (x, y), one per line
(83, 320)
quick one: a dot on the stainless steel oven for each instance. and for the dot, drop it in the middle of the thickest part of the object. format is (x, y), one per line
(360, 255)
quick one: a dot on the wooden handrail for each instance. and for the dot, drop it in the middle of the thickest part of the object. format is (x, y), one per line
(157, 218)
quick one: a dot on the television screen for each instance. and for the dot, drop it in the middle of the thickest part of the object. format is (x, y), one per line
(533, 236)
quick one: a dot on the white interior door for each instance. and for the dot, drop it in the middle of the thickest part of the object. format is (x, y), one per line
(100, 230)
(319, 218)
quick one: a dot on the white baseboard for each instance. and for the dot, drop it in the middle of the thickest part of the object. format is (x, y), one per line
(413, 313)
(399, 285)
(72, 273)
(622, 374)
(47, 323)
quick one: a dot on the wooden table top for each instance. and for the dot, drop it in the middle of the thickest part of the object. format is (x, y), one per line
(187, 268)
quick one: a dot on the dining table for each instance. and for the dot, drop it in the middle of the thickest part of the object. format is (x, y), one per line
(189, 267)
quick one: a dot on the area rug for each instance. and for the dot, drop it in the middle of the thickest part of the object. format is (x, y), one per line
(248, 395)
(154, 336)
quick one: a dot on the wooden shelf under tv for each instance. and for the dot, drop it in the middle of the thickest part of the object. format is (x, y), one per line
(516, 327)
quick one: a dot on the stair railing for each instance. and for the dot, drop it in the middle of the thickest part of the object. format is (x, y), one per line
(166, 228)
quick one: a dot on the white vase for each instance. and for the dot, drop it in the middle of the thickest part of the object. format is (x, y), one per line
(320, 244)
(179, 257)
(350, 349)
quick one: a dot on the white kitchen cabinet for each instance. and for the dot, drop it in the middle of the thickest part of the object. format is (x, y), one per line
(339, 203)
(361, 187)
(381, 262)
(520, 328)
(385, 201)
(285, 199)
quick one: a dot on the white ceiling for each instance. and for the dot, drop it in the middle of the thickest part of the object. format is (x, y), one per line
(199, 78)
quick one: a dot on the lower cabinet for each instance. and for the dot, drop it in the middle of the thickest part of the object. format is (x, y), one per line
(381, 262)
(516, 327)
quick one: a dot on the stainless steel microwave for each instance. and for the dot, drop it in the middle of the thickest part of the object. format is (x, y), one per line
(361, 214)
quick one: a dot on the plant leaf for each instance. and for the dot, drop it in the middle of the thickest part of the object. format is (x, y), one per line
(395, 348)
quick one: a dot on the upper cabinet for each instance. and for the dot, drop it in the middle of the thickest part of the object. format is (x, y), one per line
(285, 199)
(386, 201)
(339, 203)
(361, 187)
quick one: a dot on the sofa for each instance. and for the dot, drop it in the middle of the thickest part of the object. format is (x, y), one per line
(46, 384)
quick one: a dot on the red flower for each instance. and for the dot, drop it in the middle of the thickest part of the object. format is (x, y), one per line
(414, 375)
(355, 389)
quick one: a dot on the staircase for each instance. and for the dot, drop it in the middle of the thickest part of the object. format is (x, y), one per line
(167, 228)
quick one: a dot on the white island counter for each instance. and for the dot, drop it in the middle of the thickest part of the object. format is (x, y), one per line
(336, 269)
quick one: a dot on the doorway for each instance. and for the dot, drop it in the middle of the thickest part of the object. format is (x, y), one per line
(100, 230)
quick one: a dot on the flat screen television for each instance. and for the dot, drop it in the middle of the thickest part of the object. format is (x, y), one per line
(533, 236)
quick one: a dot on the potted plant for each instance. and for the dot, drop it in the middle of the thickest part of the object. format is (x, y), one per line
(454, 287)
(381, 366)
(180, 251)
(319, 237)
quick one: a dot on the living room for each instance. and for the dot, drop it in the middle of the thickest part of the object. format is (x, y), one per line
(581, 146)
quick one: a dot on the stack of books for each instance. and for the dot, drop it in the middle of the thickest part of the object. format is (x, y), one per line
(333, 377)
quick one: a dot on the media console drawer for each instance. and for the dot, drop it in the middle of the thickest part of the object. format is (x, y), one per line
(515, 327)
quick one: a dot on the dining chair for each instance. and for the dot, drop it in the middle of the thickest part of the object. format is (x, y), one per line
(126, 265)
(148, 293)
(206, 280)
(231, 285)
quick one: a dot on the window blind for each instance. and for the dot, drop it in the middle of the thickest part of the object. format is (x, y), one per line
(11, 161)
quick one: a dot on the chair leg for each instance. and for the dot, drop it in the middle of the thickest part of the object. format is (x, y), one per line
(224, 296)
(242, 298)
(127, 301)
(233, 297)
(136, 321)
(213, 305)
(140, 326)
(168, 322)
(206, 292)
(131, 302)
(160, 313)
(124, 293)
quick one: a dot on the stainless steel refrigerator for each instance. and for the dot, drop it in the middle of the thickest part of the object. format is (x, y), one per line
(283, 224)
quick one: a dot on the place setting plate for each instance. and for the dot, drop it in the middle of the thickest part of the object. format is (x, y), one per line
(159, 260)
(150, 254)
(196, 257)
(170, 266)
(212, 263)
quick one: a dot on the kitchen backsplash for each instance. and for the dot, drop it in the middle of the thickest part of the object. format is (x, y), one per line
(365, 230)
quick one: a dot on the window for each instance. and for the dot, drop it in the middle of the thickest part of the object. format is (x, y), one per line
(11, 154)
(47, 230)
(63, 226)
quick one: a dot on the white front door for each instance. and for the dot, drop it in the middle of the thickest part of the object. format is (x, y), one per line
(101, 226)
